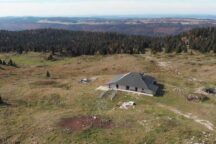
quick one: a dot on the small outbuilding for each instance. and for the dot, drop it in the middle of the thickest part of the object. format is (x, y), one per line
(134, 82)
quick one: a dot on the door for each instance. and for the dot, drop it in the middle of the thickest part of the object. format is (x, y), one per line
(117, 86)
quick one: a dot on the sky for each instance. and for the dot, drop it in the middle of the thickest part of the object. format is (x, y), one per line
(105, 7)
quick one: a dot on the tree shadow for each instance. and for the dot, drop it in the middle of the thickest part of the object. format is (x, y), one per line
(3, 103)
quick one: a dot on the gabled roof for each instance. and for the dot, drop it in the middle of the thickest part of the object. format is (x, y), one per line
(117, 78)
(134, 79)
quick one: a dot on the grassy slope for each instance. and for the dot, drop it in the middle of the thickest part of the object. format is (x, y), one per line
(37, 105)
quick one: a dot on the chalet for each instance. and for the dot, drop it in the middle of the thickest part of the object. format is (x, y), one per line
(134, 82)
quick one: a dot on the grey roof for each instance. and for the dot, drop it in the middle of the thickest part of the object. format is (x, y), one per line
(134, 79)
(116, 78)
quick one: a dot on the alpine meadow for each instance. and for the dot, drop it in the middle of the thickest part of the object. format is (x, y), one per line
(107, 72)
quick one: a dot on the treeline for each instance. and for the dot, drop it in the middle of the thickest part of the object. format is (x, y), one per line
(89, 43)
(203, 40)
(71, 43)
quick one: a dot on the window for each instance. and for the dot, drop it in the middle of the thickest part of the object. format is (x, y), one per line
(127, 87)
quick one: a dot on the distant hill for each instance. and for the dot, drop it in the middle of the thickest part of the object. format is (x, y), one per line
(125, 25)
(72, 43)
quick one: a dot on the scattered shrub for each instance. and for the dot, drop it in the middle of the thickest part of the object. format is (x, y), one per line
(10, 63)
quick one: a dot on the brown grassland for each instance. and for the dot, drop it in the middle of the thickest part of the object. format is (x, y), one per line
(37, 104)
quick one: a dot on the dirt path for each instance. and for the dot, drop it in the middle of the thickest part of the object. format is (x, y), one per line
(205, 123)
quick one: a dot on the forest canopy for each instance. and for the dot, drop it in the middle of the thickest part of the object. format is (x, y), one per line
(75, 43)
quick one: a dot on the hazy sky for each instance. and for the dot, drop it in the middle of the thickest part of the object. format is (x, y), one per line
(104, 7)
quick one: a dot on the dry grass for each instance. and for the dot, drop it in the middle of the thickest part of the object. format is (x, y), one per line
(38, 103)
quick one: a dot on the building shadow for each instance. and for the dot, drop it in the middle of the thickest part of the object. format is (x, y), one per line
(160, 91)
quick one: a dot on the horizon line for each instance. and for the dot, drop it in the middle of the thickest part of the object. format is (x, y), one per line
(121, 15)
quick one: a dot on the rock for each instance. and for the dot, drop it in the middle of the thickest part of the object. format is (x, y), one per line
(127, 105)
(50, 57)
(94, 117)
(206, 91)
(197, 97)
(85, 81)
(210, 90)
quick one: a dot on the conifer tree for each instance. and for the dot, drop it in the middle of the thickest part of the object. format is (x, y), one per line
(11, 63)
(4, 63)
(48, 74)
(1, 101)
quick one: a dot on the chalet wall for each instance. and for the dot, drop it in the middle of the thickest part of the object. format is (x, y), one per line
(121, 87)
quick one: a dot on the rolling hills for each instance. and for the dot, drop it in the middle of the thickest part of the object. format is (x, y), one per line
(148, 26)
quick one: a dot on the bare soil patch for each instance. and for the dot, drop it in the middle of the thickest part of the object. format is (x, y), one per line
(85, 122)
(45, 82)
